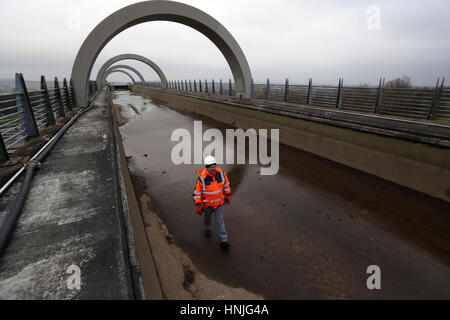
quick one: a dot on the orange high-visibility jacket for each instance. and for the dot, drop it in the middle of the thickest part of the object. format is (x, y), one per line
(210, 191)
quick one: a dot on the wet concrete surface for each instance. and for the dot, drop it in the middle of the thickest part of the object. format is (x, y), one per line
(71, 217)
(309, 232)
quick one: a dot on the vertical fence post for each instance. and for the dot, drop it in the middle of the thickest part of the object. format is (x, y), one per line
(190, 85)
(309, 99)
(67, 95)
(286, 90)
(195, 85)
(268, 89)
(61, 111)
(253, 93)
(185, 85)
(221, 87)
(206, 86)
(379, 96)
(48, 105)
(230, 88)
(213, 87)
(200, 85)
(339, 95)
(72, 94)
(3, 152)
(436, 99)
(24, 105)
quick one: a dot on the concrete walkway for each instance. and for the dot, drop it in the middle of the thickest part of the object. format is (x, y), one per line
(72, 217)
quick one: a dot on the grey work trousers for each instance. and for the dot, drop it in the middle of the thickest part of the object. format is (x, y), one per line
(220, 224)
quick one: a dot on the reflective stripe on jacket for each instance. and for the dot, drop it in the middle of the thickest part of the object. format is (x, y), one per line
(210, 190)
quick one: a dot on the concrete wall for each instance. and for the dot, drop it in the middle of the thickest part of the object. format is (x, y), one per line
(417, 166)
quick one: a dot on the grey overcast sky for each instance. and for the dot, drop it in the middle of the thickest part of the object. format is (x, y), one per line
(293, 39)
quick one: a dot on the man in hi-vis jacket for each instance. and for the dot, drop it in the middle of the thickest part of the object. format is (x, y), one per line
(212, 190)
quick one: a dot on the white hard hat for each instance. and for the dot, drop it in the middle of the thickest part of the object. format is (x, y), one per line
(210, 161)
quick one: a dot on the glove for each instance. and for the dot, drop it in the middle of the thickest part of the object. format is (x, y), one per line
(228, 199)
(199, 210)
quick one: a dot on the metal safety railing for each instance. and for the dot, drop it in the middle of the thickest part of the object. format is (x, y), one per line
(24, 114)
(418, 103)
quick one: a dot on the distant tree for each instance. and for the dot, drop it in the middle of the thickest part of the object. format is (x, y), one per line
(404, 82)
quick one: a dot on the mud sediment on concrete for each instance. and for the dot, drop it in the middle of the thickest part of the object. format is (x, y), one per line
(179, 277)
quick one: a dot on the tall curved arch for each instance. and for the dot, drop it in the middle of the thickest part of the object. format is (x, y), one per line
(119, 71)
(122, 66)
(159, 10)
(130, 56)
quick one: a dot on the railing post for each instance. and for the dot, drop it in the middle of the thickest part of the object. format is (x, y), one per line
(200, 85)
(67, 95)
(185, 85)
(286, 90)
(339, 95)
(253, 93)
(24, 105)
(379, 96)
(61, 111)
(72, 94)
(213, 87)
(206, 86)
(190, 85)
(436, 99)
(195, 85)
(310, 100)
(3, 152)
(268, 90)
(48, 105)
(230, 88)
(221, 87)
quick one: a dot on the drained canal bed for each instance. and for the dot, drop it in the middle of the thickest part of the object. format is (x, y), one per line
(309, 232)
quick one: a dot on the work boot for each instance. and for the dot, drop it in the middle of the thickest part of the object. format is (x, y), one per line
(207, 233)
(225, 245)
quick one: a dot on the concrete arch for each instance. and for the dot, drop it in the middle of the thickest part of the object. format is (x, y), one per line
(159, 10)
(130, 56)
(119, 71)
(122, 66)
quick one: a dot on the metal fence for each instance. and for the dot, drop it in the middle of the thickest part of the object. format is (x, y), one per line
(417, 103)
(24, 114)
